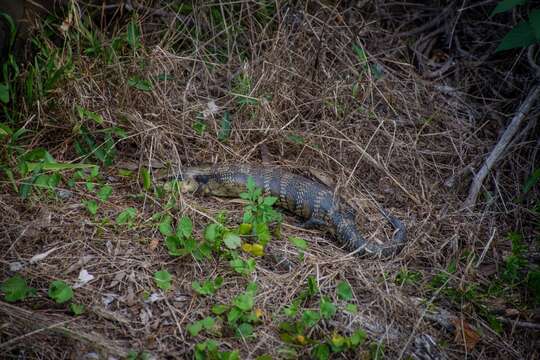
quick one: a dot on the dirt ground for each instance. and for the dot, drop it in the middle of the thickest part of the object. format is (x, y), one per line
(395, 105)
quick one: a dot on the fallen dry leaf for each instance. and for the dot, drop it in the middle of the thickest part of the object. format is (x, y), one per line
(154, 243)
(466, 334)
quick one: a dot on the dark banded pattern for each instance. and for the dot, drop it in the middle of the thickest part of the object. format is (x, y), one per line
(306, 198)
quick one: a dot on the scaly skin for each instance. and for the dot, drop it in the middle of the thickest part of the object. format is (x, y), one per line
(306, 198)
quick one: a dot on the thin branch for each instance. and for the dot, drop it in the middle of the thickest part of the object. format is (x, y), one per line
(501, 146)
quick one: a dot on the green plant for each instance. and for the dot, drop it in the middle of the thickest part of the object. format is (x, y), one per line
(15, 289)
(163, 279)
(525, 33)
(60, 291)
(208, 287)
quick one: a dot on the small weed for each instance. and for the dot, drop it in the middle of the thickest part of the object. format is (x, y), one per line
(60, 291)
(16, 289)
(208, 287)
(163, 279)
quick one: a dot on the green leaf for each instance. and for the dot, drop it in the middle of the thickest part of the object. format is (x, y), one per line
(231, 240)
(165, 227)
(344, 291)
(185, 226)
(76, 309)
(147, 180)
(126, 216)
(91, 206)
(233, 315)
(297, 139)
(208, 287)
(163, 279)
(244, 302)
(174, 244)
(327, 308)
(4, 93)
(133, 34)
(244, 330)
(15, 289)
(521, 36)
(199, 127)
(225, 127)
(505, 5)
(358, 338)
(87, 114)
(211, 233)
(60, 291)
(312, 286)
(320, 352)
(263, 233)
(50, 166)
(310, 318)
(140, 84)
(195, 328)
(208, 322)
(270, 200)
(351, 308)
(298, 243)
(104, 193)
(534, 20)
(219, 309)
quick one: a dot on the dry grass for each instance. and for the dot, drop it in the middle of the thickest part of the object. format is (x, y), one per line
(391, 141)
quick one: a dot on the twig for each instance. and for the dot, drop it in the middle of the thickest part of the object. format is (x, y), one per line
(523, 324)
(41, 323)
(501, 145)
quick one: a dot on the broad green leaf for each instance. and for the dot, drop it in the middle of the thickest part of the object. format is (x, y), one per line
(199, 127)
(534, 20)
(60, 291)
(245, 229)
(244, 330)
(208, 322)
(165, 227)
(351, 308)
(195, 328)
(233, 315)
(91, 206)
(15, 289)
(76, 309)
(344, 291)
(185, 226)
(231, 240)
(327, 308)
(126, 216)
(133, 34)
(297, 139)
(4, 93)
(84, 113)
(312, 286)
(211, 233)
(104, 193)
(320, 352)
(521, 36)
(263, 233)
(219, 309)
(163, 279)
(310, 318)
(505, 5)
(298, 242)
(358, 338)
(140, 84)
(244, 302)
